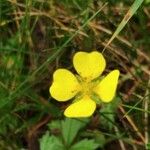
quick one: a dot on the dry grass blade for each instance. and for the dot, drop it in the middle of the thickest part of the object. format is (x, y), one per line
(126, 18)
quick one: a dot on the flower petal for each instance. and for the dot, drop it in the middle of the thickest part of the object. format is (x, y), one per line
(107, 87)
(89, 65)
(83, 108)
(64, 86)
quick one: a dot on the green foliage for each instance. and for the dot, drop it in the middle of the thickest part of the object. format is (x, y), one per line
(148, 146)
(36, 37)
(85, 144)
(50, 142)
(130, 13)
(78, 4)
(147, 1)
(54, 143)
(69, 129)
(108, 113)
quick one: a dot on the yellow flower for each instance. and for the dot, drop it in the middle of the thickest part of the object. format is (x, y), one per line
(83, 86)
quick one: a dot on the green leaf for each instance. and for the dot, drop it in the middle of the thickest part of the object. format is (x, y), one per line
(55, 124)
(85, 145)
(48, 142)
(99, 138)
(147, 1)
(148, 146)
(70, 128)
(107, 113)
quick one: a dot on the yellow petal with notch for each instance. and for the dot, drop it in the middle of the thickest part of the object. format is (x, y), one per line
(65, 85)
(107, 87)
(89, 65)
(82, 108)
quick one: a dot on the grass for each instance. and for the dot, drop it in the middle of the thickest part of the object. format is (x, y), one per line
(37, 37)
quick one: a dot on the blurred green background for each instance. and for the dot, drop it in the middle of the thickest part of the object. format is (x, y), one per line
(39, 36)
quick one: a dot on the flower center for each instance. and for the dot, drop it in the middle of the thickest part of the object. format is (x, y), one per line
(87, 87)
